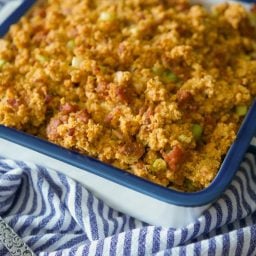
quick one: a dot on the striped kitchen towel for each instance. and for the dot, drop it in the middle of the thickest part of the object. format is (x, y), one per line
(54, 215)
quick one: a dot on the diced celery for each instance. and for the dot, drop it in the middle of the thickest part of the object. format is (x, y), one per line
(2, 62)
(76, 62)
(215, 13)
(134, 30)
(252, 18)
(41, 58)
(168, 77)
(159, 165)
(104, 69)
(157, 69)
(71, 44)
(241, 110)
(188, 184)
(107, 16)
(197, 131)
(247, 57)
(184, 138)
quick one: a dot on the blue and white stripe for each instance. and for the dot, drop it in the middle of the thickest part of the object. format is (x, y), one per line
(7, 7)
(55, 215)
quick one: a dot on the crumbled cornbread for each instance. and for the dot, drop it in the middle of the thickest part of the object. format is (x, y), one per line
(155, 87)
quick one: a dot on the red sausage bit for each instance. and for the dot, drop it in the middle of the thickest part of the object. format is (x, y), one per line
(68, 108)
(185, 100)
(14, 103)
(175, 157)
(83, 116)
(51, 129)
(184, 96)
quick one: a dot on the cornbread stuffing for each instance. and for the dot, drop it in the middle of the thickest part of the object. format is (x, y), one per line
(155, 87)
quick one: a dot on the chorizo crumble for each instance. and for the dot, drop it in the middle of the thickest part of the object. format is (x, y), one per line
(155, 87)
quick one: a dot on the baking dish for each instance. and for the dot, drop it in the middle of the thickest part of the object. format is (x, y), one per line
(137, 197)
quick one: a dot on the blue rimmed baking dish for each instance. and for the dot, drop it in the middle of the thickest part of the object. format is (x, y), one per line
(121, 190)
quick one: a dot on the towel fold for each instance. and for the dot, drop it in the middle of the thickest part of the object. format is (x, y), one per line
(55, 215)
